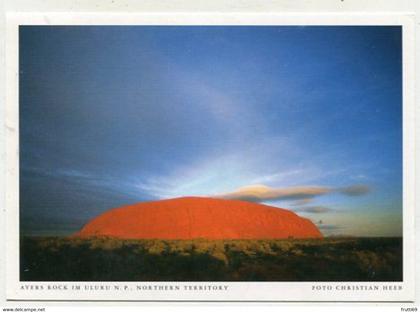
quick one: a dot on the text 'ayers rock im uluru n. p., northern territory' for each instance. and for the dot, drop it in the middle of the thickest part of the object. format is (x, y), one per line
(199, 217)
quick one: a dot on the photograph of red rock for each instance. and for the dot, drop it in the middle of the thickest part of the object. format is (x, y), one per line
(190, 218)
(210, 153)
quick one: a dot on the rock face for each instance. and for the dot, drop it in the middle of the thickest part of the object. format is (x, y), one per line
(199, 217)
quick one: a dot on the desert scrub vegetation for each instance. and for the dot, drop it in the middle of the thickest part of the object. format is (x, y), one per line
(111, 259)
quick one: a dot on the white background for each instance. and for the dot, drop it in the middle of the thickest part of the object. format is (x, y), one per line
(320, 6)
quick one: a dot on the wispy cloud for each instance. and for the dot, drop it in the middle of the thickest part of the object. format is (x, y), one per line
(313, 209)
(259, 193)
(302, 202)
(355, 190)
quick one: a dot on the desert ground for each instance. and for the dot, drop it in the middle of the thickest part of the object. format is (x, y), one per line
(112, 259)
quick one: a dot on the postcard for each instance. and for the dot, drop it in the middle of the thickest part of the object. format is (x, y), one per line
(210, 157)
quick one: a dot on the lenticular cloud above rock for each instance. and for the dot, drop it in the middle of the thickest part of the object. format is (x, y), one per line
(260, 193)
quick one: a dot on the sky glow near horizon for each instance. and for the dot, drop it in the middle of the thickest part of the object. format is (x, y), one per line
(110, 116)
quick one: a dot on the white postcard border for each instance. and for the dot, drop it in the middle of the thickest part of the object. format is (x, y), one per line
(210, 291)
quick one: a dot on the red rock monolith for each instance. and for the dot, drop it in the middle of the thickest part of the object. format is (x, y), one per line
(199, 217)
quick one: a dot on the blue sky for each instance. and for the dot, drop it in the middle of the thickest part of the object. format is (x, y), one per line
(114, 115)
